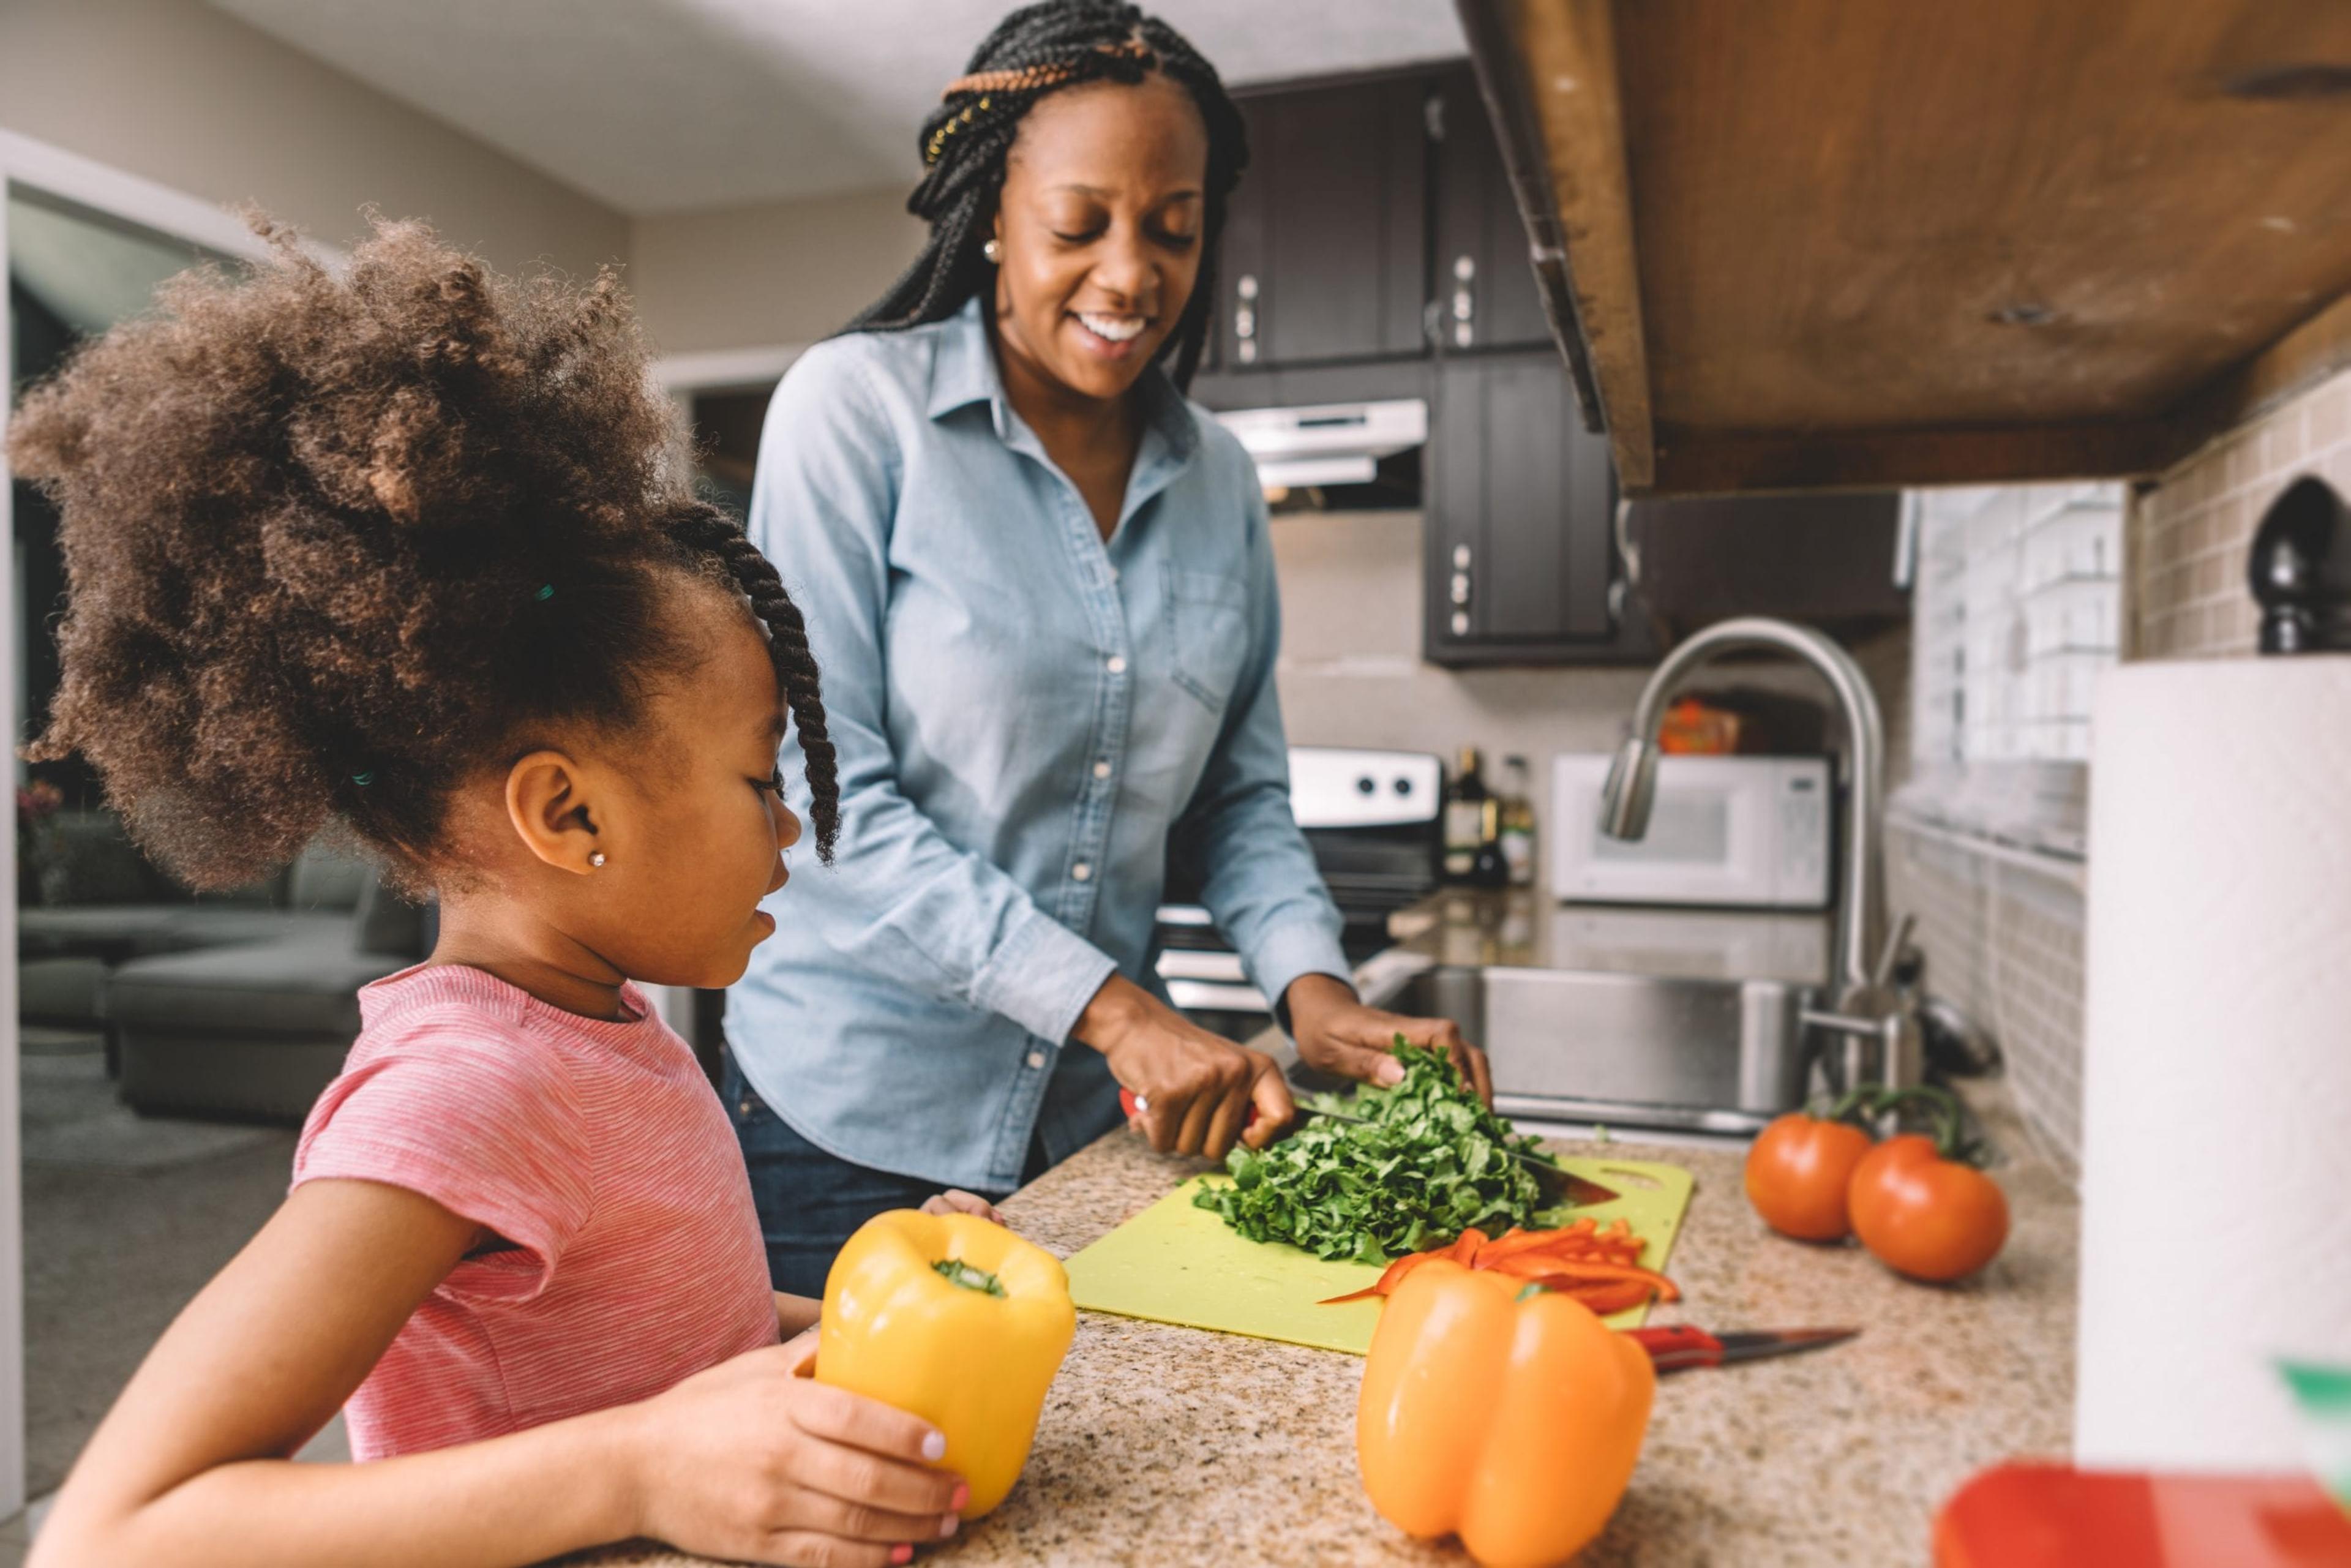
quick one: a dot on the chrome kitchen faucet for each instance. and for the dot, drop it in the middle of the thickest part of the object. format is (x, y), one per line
(1867, 1008)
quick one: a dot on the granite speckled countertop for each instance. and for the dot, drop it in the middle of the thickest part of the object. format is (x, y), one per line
(1163, 1445)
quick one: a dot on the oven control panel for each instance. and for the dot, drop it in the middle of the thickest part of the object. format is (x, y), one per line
(1331, 787)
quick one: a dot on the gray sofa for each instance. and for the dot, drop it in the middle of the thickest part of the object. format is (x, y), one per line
(240, 1005)
(258, 1028)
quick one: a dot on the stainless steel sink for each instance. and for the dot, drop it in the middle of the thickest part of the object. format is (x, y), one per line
(1720, 1055)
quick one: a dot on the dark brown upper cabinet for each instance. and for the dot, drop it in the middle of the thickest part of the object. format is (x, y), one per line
(1521, 559)
(1486, 296)
(1325, 249)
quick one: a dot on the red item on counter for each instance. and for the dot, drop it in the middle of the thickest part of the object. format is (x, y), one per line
(1695, 728)
(2054, 1516)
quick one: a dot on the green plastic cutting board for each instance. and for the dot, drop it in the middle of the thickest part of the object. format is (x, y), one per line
(1174, 1263)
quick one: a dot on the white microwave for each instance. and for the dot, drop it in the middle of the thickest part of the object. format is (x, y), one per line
(1747, 832)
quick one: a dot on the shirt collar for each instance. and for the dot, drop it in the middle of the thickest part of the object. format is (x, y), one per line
(965, 372)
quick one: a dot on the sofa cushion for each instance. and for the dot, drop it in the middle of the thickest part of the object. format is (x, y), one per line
(60, 991)
(306, 986)
(109, 932)
(115, 933)
(207, 925)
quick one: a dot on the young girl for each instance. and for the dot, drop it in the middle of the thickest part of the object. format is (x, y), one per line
(408, 552)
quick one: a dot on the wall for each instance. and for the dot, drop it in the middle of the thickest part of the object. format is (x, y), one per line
(2193, 529)
(2003, 931)
(715, 280)
(193, 99)
(1351, 671)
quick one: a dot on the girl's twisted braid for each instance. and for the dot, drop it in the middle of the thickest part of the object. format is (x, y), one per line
(711, 536)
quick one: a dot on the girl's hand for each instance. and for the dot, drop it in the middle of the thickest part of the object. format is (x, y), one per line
(955, 1200)
(1337, 1033)
(1197, 1087)
(755, 1460)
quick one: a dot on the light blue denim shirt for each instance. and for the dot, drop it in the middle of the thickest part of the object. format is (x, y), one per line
(1024, 715)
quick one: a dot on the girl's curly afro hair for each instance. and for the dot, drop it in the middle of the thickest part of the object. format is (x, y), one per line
(336, 540)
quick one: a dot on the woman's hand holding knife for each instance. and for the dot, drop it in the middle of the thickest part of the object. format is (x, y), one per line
(1198, 1091)
(1197, 1088)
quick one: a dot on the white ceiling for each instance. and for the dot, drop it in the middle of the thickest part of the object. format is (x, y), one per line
(654, 106)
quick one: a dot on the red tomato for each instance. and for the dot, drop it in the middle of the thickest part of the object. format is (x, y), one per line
(1797, 1171)
(1924, 1216)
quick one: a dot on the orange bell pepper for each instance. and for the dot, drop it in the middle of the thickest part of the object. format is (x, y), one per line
(1499, 1412)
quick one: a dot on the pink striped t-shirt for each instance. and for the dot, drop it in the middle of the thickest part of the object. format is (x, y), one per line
(599, 1150)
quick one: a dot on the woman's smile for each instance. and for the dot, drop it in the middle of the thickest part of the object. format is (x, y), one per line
(1112, 336)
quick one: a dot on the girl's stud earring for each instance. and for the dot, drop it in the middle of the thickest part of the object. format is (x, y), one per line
(596, 858)
(994, 251)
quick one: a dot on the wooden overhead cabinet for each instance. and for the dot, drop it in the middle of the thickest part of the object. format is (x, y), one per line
(1824, 244)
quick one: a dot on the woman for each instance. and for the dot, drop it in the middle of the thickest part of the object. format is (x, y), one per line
(1040, 585)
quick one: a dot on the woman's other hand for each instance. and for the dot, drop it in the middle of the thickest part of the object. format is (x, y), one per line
(1337, 1033)
(1197, 1088)
(955, 1200)
(755, 1460)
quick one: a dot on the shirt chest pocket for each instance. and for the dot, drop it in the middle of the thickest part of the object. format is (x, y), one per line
(1209, 613)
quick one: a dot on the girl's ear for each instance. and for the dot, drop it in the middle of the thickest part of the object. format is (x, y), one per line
(548, 805)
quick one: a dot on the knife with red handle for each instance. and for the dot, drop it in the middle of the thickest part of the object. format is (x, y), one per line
(1674, 1347)
(1553, 1182)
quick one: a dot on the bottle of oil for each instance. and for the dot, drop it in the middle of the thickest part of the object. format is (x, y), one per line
(1518, 826)
(1469, 806)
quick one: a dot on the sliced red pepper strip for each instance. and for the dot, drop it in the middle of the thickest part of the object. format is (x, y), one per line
(1517, 1241)
(1605, 1300)
(1597, 1273)
(1596, 1267)
(1390, 1277)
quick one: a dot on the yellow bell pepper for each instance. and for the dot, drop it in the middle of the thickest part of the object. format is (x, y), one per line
(1500, 1412)
(957, 1320)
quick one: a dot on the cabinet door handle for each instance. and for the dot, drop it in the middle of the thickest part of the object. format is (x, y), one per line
(1464, 309)
(1245, 293)
(1458, 591)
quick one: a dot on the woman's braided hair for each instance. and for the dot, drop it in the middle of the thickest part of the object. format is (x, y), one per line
(966, 140)
(334, 542)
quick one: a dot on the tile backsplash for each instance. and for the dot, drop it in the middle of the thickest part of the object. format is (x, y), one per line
(2191, 531)
(2002, 931)
(2003, 939)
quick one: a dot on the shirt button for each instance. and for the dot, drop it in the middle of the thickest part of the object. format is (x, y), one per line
(1102, 769)
(1036, 1058)
(1117, 665)
(1081, 871)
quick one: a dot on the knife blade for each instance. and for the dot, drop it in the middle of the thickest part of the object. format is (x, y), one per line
(1674, 1347)
(1555, 1183)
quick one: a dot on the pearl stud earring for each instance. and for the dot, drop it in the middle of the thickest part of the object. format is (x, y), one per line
(596, 858)
(994, 251)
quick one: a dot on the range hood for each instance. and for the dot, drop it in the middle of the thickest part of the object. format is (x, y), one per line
(1327, 444)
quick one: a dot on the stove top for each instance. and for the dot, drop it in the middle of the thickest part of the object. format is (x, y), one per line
(1372, 819)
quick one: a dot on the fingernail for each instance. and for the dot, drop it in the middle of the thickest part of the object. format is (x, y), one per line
(935, 1447)
(901, 1552)
(948, 1526)
(961, 1496)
